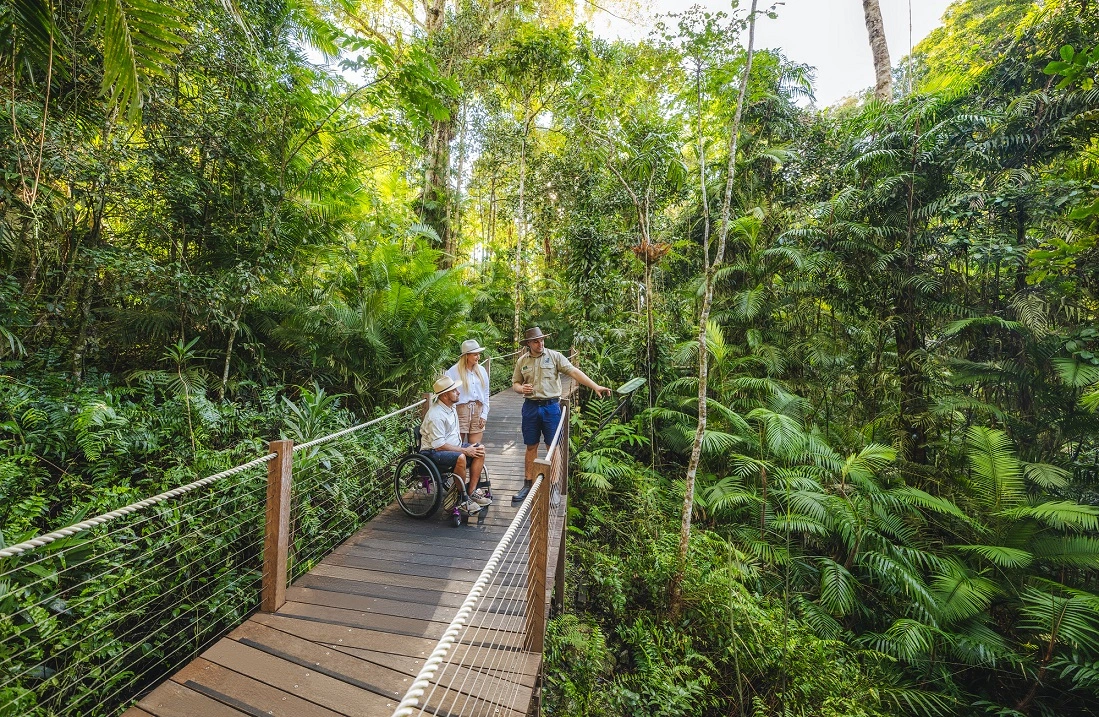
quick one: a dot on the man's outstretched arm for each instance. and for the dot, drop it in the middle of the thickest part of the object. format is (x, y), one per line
(583, 380)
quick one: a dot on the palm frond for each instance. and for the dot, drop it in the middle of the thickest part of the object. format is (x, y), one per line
(1076, 374)
(998, 473)
(837, 587)
(139, 40)
(999, 555)
(1060, 514)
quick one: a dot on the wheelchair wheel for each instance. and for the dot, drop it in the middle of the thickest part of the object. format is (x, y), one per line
(417, 485)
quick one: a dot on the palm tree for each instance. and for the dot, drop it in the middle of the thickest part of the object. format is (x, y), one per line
(875, 28)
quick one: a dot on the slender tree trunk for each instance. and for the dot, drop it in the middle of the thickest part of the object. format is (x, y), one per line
(650, 327)
(85, 320)
(520, 231)
(234, 328)
(875, 28)
(909, 335)
(454, 215)
(676, 588)
(434, 199)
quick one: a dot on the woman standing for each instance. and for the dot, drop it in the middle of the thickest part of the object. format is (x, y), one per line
(472, 406)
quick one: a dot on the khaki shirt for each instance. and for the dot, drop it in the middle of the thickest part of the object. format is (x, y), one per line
(542, 372)
(440, 426)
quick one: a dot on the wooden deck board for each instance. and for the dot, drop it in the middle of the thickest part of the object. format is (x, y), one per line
(357, 628)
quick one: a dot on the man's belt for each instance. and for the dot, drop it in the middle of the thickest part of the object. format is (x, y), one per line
(544, 401)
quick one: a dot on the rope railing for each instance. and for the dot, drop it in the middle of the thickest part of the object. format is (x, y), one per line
(354, 429)
(477, 667)
(86, 623)
(332, 496)
(83, 525)
(459, 623)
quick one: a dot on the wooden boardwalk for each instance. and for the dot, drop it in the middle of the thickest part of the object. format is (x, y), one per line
(357, 628)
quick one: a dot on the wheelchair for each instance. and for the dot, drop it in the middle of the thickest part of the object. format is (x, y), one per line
(421, 488)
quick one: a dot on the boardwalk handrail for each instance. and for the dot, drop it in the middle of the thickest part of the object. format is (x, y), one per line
(423, 679)
(69, 604)
(43, 540)
(340, 434)
(536, 507)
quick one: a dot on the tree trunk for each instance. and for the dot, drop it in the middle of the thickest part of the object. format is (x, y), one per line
(520, 230)
(434, 200)
(234, 328)
(454, 214)
(81, 343)
(883, 72)
(675, 601)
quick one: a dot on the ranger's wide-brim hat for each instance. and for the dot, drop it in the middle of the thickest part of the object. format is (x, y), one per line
(444, 384)
(470, 346)
(532, 334)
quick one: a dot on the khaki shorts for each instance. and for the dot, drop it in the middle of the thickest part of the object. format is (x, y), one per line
(470, 419)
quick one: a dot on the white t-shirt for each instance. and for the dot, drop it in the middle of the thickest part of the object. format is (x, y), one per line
(440, 426)
(477, 390)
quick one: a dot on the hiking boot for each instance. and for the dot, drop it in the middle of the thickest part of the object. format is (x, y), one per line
(478, 496)
(522, 493)
(470, 506)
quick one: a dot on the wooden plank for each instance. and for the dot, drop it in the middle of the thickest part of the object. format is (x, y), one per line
(319, 688)
(390, 566)
(333, 663)
(390, 579)
(399, 627)
(420, 543)
(471, 536)
(401, 610)
(411, 555)
(351, 637)
(247, 694)
(172, 699)
(486, 520)
(136, 712)
(371, 621)
(381, 606)
(391, 592)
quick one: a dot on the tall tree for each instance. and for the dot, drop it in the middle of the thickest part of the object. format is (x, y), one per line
(875, 28)
(676, 587)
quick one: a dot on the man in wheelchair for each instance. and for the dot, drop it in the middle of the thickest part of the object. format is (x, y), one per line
(441, 442)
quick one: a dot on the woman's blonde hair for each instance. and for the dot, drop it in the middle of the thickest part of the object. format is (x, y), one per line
(463, 373)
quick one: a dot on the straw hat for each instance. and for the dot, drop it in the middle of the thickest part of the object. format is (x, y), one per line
(532, 334)
(470, 346)
(444, 384)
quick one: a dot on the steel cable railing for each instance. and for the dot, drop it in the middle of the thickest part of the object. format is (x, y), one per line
(473, 670)
(86, 621)
(335, 491)
(499, 370)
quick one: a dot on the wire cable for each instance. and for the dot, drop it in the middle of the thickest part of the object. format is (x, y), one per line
(48, 538)
(423, 679)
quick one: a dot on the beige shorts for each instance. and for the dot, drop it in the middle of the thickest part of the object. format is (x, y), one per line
(470, 419)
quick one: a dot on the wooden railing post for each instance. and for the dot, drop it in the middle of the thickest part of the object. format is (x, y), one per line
(563, 485)
(276, 535)
(535, 622)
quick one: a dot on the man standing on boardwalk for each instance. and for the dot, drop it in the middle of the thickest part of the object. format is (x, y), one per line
(537, 377)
